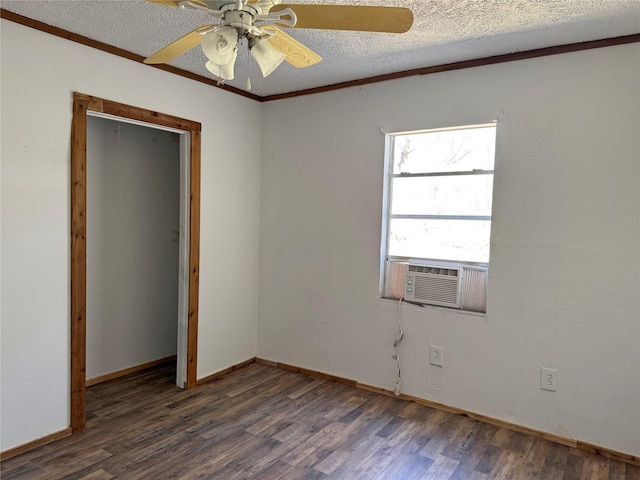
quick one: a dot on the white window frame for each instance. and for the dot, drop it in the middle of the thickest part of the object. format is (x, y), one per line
(387, 216)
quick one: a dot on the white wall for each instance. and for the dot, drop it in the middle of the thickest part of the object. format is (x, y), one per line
(36, 97)
(564, 286)
(133, 206)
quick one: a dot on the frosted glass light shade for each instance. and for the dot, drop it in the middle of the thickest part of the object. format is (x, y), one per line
(226, 72)
(220, 45)
(267, 56)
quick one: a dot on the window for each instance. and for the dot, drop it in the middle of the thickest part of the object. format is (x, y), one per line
(438, 210)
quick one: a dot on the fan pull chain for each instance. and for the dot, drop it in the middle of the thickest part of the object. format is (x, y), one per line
(248, 68)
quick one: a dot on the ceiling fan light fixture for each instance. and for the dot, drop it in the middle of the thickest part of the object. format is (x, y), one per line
(268, 57)
(220, 45)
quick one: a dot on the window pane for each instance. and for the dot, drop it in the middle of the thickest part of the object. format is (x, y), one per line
(457, 195)
(445, 151)
(458, 240)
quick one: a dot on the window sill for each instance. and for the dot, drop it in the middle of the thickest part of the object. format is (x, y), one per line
(454, 311)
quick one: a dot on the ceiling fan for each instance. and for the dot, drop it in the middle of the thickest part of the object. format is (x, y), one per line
(258, 23)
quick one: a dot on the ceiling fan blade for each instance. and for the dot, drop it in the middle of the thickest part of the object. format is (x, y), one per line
(298, 55)
(177, 48)
(175, 3)
(350, 17)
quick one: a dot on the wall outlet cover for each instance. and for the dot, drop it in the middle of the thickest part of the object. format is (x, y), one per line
(436, 355)
(549, 379)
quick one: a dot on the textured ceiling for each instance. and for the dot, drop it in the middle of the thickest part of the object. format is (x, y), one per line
(444, 31)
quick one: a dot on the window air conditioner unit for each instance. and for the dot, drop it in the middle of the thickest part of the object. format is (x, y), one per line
(435, 285)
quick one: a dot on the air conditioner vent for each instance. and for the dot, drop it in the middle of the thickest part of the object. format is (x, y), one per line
(454, 272)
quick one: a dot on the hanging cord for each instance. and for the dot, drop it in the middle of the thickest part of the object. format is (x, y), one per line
(396, 355)
(248, 68)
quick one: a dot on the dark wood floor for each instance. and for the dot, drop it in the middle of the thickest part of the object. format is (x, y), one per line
(261, 422)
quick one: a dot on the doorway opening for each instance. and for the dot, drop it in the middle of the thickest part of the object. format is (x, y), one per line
(189, 238)
(133, 246)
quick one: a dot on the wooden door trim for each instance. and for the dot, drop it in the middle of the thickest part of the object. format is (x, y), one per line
(81, 105)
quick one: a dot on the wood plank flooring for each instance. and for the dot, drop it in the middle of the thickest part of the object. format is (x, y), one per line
(261, 422)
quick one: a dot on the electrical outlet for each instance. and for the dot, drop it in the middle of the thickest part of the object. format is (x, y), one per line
(436, 356)
(548, 379)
